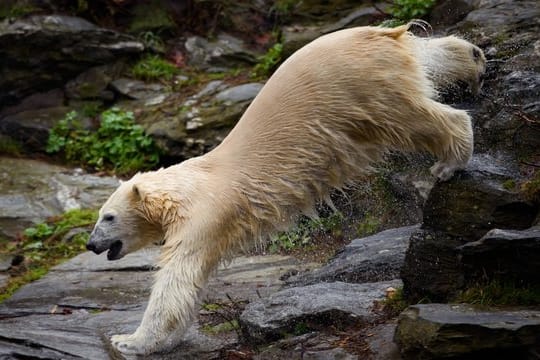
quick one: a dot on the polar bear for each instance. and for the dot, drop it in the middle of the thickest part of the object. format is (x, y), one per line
(330, 111)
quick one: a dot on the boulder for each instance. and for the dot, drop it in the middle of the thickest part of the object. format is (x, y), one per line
(225, 52)
(62, 47)
(459, 211)
(296, 36)
(479, 199)
(449, 331)
(310, 307)
(374, 258)
(504, 255)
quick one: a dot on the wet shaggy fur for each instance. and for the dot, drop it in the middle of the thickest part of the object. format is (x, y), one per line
(329, 112)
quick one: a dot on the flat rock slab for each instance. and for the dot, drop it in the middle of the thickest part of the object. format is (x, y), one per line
(72, 311)
(507, 255)
(374, 258)
(433, 331)
(309, 306)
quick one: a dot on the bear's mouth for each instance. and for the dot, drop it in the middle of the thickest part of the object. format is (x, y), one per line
(114, 250)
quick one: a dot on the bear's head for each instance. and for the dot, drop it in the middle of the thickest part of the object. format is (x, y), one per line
(124, 224)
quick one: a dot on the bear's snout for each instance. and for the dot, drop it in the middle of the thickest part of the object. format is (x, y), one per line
(90, 246)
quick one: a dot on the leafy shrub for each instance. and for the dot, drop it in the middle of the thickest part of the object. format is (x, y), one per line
(269, 62)
(153, 67)
(119, 144)
(406, 10)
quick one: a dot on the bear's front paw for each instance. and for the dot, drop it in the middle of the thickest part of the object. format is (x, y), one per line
(444, 170)
(130, 344)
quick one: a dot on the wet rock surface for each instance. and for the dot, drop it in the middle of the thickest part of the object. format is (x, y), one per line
(83, 302)
(312, 306)
(374, 258)
(40, 190)
(430, 331)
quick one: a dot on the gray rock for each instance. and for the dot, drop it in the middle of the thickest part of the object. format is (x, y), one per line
(436, 331)
(450, 12)
(31, 191)
(335, 303)
(505, 255)
(62, 47)
(479, 199)
(294, 37)
(149, 94)
(381, 342)
(31, 127)
(227, 51)
(92, 84)
(374, 258)
(4, 279)
(83, 302)
(6, 261)
(235, 94)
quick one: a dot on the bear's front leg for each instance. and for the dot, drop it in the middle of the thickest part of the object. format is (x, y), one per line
(171, 305)
(458, 137)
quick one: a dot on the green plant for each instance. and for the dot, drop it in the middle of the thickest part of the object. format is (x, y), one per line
(368, 226)
(406, 10)
(16, 10)
(500, 293)
(302, 233)
(395, 303)
(42, 246)
(268, 62)
(118, 144)
(9, 146)
(153, 67)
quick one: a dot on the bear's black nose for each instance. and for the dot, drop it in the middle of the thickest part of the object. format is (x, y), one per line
(91, 246)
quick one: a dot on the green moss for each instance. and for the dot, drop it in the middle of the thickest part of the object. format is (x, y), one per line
(211, 307)
(368, 226)
(151, 15)
(221, 328)
(531, 187)
(15, 10)
(42, 247)
(8, 146)
(509, 184)
(500, 293)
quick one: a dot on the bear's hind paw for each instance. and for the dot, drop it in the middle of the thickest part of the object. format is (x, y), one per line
(129, 344)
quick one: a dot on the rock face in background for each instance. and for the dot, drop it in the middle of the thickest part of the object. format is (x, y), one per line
(62, 47)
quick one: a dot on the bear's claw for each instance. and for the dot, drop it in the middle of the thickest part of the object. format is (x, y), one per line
(129, 344)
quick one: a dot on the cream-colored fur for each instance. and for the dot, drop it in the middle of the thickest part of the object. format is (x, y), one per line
(330, 111)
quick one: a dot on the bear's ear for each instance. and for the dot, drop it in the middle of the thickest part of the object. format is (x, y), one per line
(139, 192)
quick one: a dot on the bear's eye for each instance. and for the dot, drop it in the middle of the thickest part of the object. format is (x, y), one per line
(476, 53)
(108, 217)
